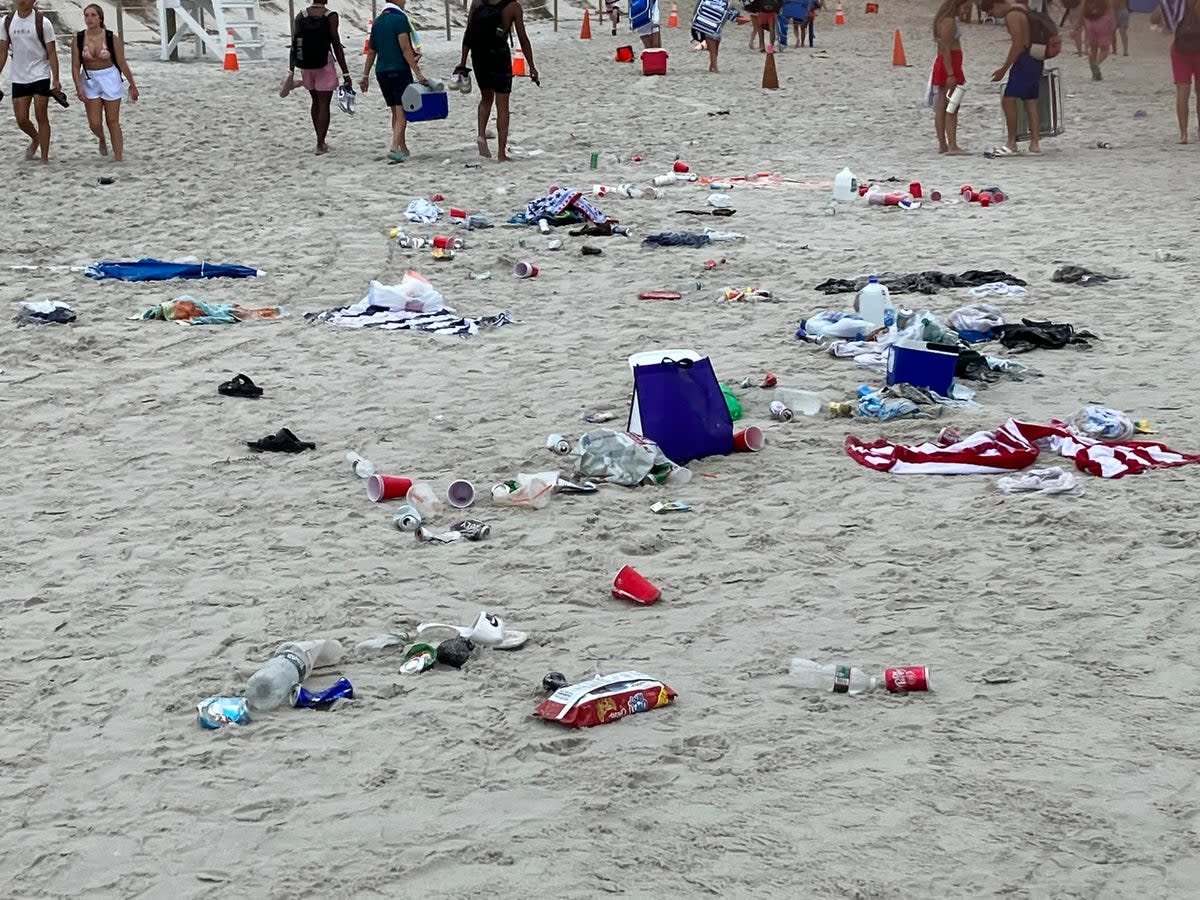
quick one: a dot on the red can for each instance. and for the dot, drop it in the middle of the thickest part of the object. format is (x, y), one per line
(906, 679)
(915, 190)
(862, 189)
(681, 166)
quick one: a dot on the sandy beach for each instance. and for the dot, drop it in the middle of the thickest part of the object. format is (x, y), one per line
(153, 560)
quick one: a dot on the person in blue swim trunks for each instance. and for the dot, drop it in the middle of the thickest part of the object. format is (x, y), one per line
(1024, 75)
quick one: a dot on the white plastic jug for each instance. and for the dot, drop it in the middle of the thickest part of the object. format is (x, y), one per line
(845, 185)
(875, 304)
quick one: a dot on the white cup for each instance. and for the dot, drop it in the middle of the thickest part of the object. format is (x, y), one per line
(460, 494)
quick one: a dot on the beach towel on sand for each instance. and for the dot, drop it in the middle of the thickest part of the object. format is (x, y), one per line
(160, 270)
(1012, 446)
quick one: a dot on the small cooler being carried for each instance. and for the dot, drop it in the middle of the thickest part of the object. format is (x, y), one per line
(423, 103)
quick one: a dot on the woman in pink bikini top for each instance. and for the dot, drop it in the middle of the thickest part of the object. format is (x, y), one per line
(98, 66)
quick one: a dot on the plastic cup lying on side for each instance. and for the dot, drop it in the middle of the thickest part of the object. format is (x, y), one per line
(460, 494)
(525, 270)
(387, 487)
(749, 439)
(629, 584)
(424, 499)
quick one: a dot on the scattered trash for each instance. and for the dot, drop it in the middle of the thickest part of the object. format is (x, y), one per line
(45, 312)
(386, 487)
(418, 658)
(531, 491)
(919, 282)
(1080, 275)
(425, 500)
(359, 465)
(239, 386)
(1040, 481)
(604, 699)
(455, 652)
(341, 689)
(191, 310)
(1167, 256)
(554, 681)
(292, 663)
(1103, 424)
(558, 444)
(847, 680)
(669, 506)
(471, 529)
(487, 631)
(629, 584)
(217, 712)
(597, 416)
(383, 641)
(407, 518)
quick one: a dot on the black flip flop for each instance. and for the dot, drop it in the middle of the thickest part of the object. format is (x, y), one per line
(240, 386)
(60, 98)
(282, 441)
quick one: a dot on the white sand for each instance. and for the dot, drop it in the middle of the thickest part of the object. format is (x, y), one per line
(151, 560)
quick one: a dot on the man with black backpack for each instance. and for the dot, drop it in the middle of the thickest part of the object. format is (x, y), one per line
(486, 38)
(30, 36)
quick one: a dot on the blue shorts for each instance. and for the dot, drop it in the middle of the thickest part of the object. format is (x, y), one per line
(1025, 77)
(1122, 18)
(392, 84)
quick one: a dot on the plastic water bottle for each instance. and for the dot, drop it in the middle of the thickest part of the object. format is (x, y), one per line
(272, 685)
(809, 403)
(874, 304)
(838, 679)
(845, 185)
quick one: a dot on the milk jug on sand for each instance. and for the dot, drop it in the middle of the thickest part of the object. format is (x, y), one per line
(845, 185)
(874, 304)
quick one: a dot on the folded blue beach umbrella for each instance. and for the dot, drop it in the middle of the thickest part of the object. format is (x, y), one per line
(160, 270)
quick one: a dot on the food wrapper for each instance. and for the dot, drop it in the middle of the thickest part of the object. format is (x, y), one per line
(603, 699)
(217, 712)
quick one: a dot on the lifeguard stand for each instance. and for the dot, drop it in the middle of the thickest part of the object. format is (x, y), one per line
(207, 23)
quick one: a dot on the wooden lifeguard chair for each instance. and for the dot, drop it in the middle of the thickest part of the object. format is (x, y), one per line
(207, 23)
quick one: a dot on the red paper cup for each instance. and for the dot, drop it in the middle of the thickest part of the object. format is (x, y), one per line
(935, 195)
(985, 199)
(915, 190)
(456, 213)
(460, 494)
(442, 242)
(681, 166)
(630, 585)
(387, 487)
(749, 439)
(525, 270)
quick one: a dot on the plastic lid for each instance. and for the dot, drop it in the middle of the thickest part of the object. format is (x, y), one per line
(872, 280)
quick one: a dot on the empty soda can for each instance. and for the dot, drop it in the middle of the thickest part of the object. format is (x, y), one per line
(407, 518)
(472, 529)
(780, 412)
(556, 443)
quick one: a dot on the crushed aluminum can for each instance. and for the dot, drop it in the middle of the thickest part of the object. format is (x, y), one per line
(472, 529)
(780, 411)
(302, 698)
(217, 712)
(667, 506)
(556, 443)
(429, 536)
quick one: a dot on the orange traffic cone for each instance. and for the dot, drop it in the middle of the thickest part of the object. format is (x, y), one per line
(518, 63)
(585, 33)
(898, 58)
(231, 60)
(839, 17)
(770, 76)
(673, 18)
(367, 39)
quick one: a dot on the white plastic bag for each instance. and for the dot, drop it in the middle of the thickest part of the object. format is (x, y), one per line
(531, 491)
(414, 293)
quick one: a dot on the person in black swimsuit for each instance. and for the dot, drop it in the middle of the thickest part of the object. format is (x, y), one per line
(489, 24)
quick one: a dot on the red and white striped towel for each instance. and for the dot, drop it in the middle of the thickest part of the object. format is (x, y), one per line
(1012, 446)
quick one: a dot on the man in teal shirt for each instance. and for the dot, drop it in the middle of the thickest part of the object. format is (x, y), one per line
(390, 50)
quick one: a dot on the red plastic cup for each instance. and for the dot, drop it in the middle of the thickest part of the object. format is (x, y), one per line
(915, 190)
(681, 166)
(629, 584)
(456, 213)
(443, 242)
(935, 196)
(862, 189)
(387, 487)
(436, 198)
(906, 679)
(966, 190)
(525, 270)
(999, 197)
(749, 440)
(985, 199)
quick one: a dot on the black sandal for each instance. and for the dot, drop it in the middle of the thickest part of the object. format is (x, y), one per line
(282, 441)
(240, 386)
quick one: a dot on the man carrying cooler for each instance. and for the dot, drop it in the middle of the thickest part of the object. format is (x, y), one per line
(1024, 75)
(34, 73)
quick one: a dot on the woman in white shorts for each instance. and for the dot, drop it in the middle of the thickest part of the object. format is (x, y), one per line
(649, 33)
(98, 64)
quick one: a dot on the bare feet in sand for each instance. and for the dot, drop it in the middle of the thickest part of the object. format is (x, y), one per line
(103, 148)
(957, 151)
(484, 150)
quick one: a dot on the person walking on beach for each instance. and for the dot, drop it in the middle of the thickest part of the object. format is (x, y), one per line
(707, 24)
(315, 45)
(97, 66)
(645, 22)
(1100, 27)
(948, 73)
(30, 37)
(1024, 75)
(1183, 18)
(1121, 13)
(390, 50)
(489, 23)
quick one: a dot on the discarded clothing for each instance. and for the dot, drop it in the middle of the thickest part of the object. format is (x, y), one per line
(44, 312)
(1055, 480)
(1014, 446)
(160, 270)
(677, 239)
(920, 282)
(1080, 275)
(976, 323)
(424, 211)
(997, 289)
(564, 206)
(1031, 335)
(443, 321)
(1103, 424)
(188, 310)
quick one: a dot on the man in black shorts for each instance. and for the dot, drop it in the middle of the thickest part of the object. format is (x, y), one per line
(34, 73)
(486, 38)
